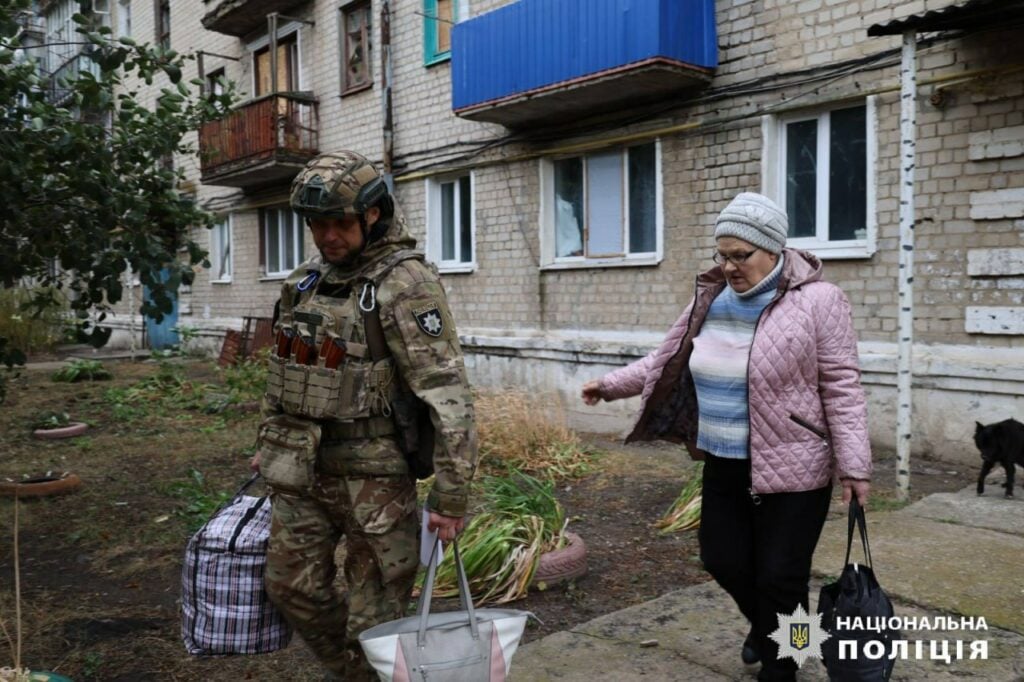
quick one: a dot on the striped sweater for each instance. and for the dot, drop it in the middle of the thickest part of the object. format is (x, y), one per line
(718, 364)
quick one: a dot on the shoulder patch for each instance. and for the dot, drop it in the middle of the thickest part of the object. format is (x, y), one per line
(429, 319)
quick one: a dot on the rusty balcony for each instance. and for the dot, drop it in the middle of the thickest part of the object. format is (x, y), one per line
(263, 142)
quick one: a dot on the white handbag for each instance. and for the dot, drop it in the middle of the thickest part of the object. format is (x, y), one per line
(472, 645)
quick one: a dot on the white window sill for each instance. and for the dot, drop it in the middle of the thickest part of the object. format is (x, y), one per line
(274, 278)
(834, 251)
(456, 268)
(585, 263)
(220, 281)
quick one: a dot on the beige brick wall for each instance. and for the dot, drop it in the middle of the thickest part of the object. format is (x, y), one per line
(701, 169)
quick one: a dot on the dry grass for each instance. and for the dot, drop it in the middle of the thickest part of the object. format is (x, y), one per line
(528, 433)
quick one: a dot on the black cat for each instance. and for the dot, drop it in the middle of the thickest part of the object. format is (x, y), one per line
(1000, 443)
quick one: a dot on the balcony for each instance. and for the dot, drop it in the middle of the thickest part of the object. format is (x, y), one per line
(263, 142)
(541, 61)
(240, 17)
(59, 93)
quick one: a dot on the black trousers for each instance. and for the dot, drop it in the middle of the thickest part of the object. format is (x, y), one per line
(759, 550)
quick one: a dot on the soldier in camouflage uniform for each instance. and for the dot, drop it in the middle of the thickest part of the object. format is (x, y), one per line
(359, 487)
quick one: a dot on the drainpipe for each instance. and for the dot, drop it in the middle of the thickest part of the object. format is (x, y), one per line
(130, 276)
(387, 111)
(905, 376)
(272, 32)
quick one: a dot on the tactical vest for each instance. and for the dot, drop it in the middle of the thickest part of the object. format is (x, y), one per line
(318, 314)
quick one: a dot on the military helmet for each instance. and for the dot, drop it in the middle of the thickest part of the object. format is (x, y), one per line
(335, 185)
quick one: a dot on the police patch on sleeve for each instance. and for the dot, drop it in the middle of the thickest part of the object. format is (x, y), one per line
(429, 320)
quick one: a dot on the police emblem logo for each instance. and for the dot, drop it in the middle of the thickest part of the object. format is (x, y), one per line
(429, 320)
(799, 635)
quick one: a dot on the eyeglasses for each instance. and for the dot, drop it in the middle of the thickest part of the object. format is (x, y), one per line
(735, 259)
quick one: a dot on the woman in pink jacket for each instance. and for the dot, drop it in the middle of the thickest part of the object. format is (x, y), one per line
(759, 378)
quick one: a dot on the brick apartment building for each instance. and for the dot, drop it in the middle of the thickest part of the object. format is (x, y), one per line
(563, 161)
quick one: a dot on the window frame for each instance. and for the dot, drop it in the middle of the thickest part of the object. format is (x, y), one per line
(124, 18)
(773, 173)
(547, 217)
(435, 235)
(163, 32)
(262, 43)
(299, 242)
(431, 54)
(214, 88)
(216, 246)
(343, 14)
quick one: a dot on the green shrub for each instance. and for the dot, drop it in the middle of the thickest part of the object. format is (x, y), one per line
(246, 380)
(29, 330)
(51, 420)
(82, 370)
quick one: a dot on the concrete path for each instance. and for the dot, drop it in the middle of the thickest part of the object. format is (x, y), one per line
(943, 555)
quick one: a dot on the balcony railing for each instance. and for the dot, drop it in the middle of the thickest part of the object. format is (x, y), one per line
(60, 93)
(546, 61)
(264, 141)
(240, 17)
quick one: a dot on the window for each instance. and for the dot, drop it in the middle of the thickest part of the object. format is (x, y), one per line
(281, 238)
(220, 251)
(355, 48)
(287, 65)
(124, 18)
(450, 223)
(438, 18)
(162, 17)
(820, 169)
(215, 82)
(603, 208)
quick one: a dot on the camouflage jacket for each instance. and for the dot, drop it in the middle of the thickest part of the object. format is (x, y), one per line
(421, 337)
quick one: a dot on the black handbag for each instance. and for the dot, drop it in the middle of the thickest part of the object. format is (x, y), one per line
(866, 640)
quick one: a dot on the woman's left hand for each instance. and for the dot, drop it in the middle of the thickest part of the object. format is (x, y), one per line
(852, 486)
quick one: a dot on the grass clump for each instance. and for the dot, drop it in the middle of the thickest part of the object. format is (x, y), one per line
(501, 546)
(199, 502)
(519, 432)
(82, 370)
(684, 514)
(51, 420)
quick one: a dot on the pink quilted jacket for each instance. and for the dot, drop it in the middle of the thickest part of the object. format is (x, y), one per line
(808, 414)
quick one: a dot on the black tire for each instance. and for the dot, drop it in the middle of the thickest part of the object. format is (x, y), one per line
(562, 564)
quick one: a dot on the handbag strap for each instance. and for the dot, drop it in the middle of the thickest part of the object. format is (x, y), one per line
(423, 609)
(856, 515)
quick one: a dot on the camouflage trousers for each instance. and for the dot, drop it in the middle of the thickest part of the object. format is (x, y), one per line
(376, 517)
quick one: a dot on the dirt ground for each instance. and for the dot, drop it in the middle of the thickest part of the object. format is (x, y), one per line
(100, 568)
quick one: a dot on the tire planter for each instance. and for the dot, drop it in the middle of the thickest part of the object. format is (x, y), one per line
(70, 431)
(562, 564)
(41, 486)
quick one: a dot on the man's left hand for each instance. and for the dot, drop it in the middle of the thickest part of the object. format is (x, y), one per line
(853, 487)
(447, 527)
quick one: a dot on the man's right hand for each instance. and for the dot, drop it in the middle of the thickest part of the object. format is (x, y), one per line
(592, 392)
(254, 463)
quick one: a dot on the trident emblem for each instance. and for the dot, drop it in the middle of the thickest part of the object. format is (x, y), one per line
(799, 636)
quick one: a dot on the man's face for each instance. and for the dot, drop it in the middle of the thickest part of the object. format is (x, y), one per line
(339, 239)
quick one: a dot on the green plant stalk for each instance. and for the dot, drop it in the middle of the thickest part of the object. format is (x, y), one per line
(684, 513)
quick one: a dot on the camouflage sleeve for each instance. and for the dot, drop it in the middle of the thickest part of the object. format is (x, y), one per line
(421, 335)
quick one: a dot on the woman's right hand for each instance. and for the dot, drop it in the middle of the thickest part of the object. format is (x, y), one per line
(592, 392)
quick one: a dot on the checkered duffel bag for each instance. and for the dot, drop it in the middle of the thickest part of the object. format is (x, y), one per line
(224, 608)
